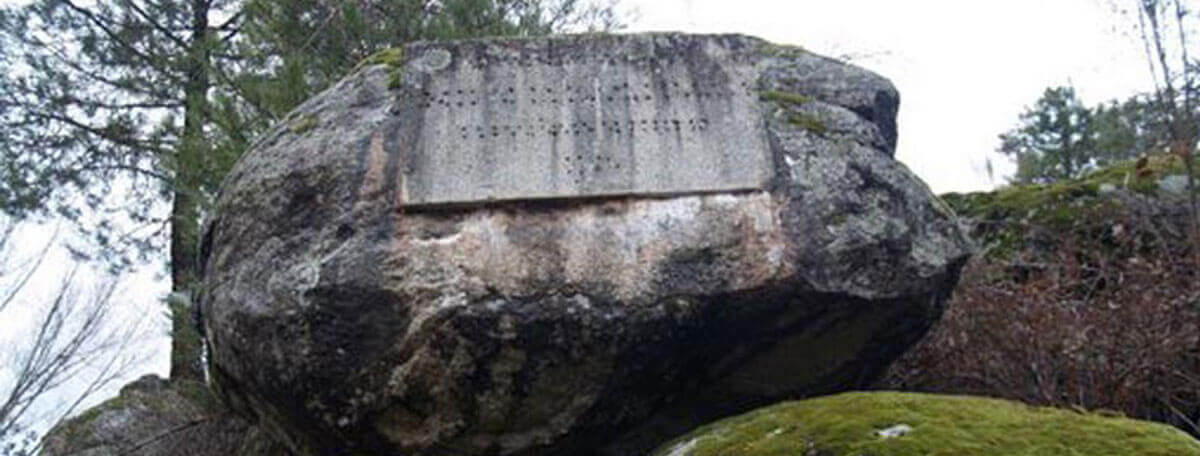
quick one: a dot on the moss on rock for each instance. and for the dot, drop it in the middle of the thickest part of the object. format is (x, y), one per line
(393, 58)
(792, 102)
(808, 122)
(925, 424)
(1006, 216)
(303, 123)
(390, 57)
(784, 98)
(782, 50)
(1024, 198)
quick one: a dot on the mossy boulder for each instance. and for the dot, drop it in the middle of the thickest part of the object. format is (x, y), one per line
(153, 416)
(903, 424)
(1006, 220)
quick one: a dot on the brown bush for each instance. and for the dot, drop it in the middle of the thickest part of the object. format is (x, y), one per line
(1104, 314)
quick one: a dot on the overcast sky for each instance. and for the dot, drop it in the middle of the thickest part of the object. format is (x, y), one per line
(965, 68)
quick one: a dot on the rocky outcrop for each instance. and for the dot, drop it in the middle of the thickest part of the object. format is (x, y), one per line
(154, 417)
(568, 245)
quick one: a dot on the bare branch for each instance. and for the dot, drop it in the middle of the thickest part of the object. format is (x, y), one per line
(72, 341)
(27, 273)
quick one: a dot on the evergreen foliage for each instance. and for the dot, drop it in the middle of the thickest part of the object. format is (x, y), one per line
(107, 116)
(1061, 138)
(292, 49)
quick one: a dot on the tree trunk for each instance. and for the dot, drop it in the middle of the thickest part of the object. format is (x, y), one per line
(185, 338)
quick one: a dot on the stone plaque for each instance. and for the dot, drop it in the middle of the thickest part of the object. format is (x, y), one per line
(579, 116)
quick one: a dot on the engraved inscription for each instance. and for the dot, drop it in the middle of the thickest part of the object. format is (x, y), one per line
(546, 122)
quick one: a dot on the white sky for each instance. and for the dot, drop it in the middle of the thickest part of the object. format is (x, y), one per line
(965, 68)
(135, 307)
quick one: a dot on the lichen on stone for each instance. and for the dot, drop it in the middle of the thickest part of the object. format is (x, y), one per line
(302, 123)
(782, 50)
(808, 122)
(791, 101)
(784, 98)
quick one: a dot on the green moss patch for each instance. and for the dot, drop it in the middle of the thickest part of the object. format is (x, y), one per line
(784, 98)
(1008, 214)
(1126, 175)
(303, 124)
(390, 57)
(808, 122)
(393, 58)
(791, 101)
(850, 425)
(782, 50)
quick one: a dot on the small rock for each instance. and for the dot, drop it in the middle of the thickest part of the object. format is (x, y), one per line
(1175, 184)
(894, 431)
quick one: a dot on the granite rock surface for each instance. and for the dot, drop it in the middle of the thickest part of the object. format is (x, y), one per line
(568, 245)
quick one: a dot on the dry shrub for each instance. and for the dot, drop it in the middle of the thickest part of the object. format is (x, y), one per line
(1104, 314)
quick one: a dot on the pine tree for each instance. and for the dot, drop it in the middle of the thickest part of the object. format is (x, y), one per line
(105, 115)
(1054, 140)
(1060, 138)
(1126, 130)
(295, 48)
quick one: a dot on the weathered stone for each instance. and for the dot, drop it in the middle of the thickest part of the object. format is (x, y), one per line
(569, 118)
(1174, 184)
(357, 303)
(154, 417)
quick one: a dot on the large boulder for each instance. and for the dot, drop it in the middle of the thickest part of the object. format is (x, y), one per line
(568, 245)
